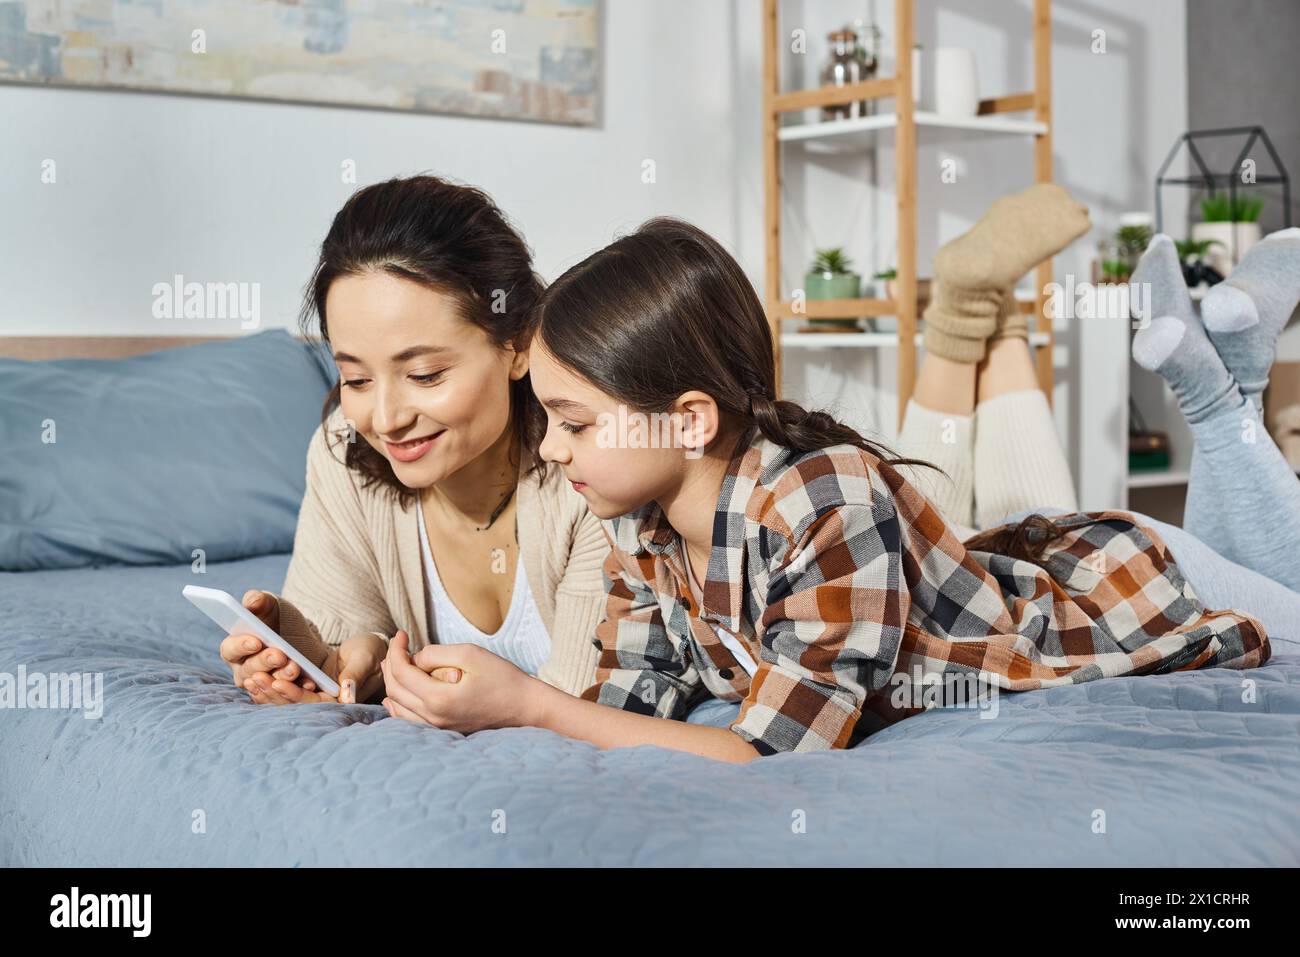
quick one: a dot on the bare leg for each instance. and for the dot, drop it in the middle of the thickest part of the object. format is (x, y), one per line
(1006, 367)
(946, 386)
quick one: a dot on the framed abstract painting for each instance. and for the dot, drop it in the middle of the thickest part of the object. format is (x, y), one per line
(514, 59)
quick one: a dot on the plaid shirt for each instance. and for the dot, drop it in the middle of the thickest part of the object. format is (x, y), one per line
(831, 575)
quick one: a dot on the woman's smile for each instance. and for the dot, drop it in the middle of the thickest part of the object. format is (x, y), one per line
(412, 449)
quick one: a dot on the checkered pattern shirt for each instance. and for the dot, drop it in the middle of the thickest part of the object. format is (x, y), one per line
(833, 582)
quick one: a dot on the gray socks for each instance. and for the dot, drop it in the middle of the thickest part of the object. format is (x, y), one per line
(1242, 497)
(1179, 351)
(1160, 274)
(1173, 343)
(1245, 313)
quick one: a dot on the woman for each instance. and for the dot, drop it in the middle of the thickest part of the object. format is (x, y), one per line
(776, 562)
(426, 508)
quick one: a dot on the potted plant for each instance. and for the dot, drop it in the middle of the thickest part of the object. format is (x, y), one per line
(1197, 271)
(887, 288)
(1115, 270)
(831, 277)
(1119, 254)
(1132, 241)
(1234, 225)
(884, 283)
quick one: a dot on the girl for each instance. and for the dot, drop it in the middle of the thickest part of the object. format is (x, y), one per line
(425, 507)
(775, 559)
(987, 425)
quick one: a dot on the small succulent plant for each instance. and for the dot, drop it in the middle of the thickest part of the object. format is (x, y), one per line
(1194, 248)
(1115, 269)
(832, 262)
(1133, 240)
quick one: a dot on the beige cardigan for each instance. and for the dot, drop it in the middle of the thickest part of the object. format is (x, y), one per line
(357, 565)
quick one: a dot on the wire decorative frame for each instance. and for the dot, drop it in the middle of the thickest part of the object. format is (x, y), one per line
(1213, 181)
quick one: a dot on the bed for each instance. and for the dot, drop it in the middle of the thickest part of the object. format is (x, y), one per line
(1198, 768)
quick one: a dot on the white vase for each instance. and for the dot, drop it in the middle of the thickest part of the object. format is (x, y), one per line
(1223, 258)
(956, 84)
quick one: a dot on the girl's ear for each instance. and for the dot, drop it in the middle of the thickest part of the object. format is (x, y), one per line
(700, 422)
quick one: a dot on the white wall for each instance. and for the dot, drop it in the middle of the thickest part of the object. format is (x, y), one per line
(241, 191)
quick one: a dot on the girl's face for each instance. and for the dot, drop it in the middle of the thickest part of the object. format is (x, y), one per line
(429, 390)
(617, 461)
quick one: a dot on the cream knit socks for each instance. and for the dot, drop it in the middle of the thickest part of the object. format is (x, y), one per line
(975, 273)
(1011, 321)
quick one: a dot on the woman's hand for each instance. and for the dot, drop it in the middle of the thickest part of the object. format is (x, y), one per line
(270, 677)
(247, 654)
(354, 665)
(460, 687)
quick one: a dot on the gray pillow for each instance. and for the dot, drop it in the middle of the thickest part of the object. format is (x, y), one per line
(146, 460)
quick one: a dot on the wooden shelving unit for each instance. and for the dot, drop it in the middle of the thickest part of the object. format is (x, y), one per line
(902, 124)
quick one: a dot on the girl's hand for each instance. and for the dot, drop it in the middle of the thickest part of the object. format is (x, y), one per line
(354, 665)
(460, 687)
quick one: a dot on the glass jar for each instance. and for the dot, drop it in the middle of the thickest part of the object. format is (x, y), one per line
(848, 62)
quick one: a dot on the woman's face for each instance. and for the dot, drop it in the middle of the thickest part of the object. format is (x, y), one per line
(429, 390)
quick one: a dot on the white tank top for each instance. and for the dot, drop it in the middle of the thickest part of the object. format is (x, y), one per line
(522, 637)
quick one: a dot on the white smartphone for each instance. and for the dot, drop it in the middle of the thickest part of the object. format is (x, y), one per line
(222, 608)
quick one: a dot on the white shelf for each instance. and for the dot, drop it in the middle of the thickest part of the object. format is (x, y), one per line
(1157, 478)
(1161, 478)
(863, 340)
(861, 132)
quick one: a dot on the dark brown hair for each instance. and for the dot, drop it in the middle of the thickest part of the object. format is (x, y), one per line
(1027, 539)
(666, 310)
(449, 237)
